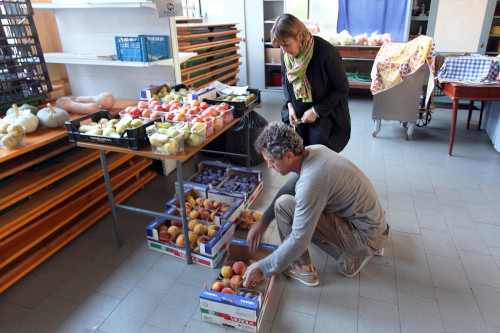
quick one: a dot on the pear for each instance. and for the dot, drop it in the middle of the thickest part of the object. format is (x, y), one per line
(9, 141)
(150, 129)
(173, 132)
(95, 131)
(113, 122)
(194, 140)
(85, 128)
(158, 139)
(136, 122)
(171, 147)
(16, 130)
(121, 127)
(3, 127)
(163, 125)
(109, 131)
(103, 121)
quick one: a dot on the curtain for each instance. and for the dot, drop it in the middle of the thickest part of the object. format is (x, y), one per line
(367, 16)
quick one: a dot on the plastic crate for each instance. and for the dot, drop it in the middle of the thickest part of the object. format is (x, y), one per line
(239, 107)
(23, 72)
(133, 138)
(142, 48)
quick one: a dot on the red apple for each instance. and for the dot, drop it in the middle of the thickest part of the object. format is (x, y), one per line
(146, 113)
(204, 105)
(142, 105)
(158, 107)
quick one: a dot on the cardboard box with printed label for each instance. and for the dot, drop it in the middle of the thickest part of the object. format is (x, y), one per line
(209, 253)
(230, 208)
(244, 182)
(148, 92)
(202, 182)
(235, 310)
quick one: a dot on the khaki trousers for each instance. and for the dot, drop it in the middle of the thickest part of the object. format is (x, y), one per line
(333, 234)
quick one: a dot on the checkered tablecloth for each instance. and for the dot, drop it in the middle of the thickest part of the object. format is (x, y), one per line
(473, 67)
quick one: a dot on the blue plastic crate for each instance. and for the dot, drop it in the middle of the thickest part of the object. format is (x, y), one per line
(142, 48)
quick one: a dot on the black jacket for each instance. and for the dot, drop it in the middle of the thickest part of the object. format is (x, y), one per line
(329, 87)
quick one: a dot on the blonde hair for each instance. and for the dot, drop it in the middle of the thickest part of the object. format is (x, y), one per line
(287, 26)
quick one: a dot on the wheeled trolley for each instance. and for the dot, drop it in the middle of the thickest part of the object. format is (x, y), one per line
(400, 102)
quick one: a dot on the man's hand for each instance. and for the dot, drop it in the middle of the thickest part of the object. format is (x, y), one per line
(255, 234)
(252, 275)
(292, 116)
(309, 116)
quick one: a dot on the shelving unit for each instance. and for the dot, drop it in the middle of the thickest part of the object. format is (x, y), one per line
(89, 59)
(358, 59)
(421, 22)
(493, 45)
(272, 9)
(92, 4)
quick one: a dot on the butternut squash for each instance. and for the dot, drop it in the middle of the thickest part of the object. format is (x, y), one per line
(105, 100)
(69, 105)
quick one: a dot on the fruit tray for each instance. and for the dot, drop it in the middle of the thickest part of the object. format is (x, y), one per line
(239, 107)
(133, 138)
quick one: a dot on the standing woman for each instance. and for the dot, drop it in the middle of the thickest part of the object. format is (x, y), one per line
(314, 83)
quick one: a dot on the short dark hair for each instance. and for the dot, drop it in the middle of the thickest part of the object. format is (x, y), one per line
(277, 138)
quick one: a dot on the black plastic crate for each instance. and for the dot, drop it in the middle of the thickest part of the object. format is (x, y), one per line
(239, 107)
(23, 72)
(133, 138)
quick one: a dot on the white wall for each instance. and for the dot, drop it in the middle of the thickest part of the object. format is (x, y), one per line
(92, 31)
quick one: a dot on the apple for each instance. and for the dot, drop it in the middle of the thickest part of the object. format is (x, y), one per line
(179, 241)
(194, 215)
(169, 116)
(227, 291)
(173, 230)
(239, 268)
(205, 215)
(196, 120)
(202, 239)
(218, 286)
(146, 113)
(154, 102)
(199, 228)
(199, 201)
(152, 99)
(158, 107)
(134, 112)
(177, 224)
(166, 105)
(163, 235)
(192, 236)
(192, 224)
(226, 271)
(216, 204)
(142, 104)
(155, 114)
(179, 117)
(237, 280)
(195, 102)
(224, 106)
(204, 105)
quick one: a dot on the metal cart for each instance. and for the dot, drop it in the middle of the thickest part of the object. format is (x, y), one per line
(401, 102)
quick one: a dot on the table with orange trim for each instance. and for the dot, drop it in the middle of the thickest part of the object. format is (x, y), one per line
(179, 158)
(467, 91)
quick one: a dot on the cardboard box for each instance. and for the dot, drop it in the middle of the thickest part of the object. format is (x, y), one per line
(202, 186)
(273, 55)
(199, 95)
(249, 197)
(148, 92)
(233, 310)
(235, 204)
(210, 253)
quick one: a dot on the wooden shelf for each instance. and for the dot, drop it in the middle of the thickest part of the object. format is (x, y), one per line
(92, 4)
(96, 60)
(42, 251)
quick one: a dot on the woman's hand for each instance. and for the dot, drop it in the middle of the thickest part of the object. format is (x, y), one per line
(309, 116)
(292, 116)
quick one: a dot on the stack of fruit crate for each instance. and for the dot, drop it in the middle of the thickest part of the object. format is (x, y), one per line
(217, 48)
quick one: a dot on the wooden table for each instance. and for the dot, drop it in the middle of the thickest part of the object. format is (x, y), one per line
(147, 152)
(472, 92)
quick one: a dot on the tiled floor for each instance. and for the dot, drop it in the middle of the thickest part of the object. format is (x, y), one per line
(440, 271)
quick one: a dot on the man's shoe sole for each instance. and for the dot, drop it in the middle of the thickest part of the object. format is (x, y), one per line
(363, 263)
(310, 284)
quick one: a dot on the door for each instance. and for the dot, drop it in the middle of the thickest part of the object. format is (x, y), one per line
(229, 11)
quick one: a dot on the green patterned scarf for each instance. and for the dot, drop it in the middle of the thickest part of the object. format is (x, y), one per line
(296, 71)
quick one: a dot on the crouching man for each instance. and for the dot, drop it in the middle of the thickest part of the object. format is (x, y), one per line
(327, 201)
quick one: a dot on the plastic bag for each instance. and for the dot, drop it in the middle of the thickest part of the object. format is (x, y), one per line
(235, 139)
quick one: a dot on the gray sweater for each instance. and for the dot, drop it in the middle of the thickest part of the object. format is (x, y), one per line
(327, 182)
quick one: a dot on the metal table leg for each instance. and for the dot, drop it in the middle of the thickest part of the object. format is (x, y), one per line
(111, 198)
(182, 204)
(247, 142)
